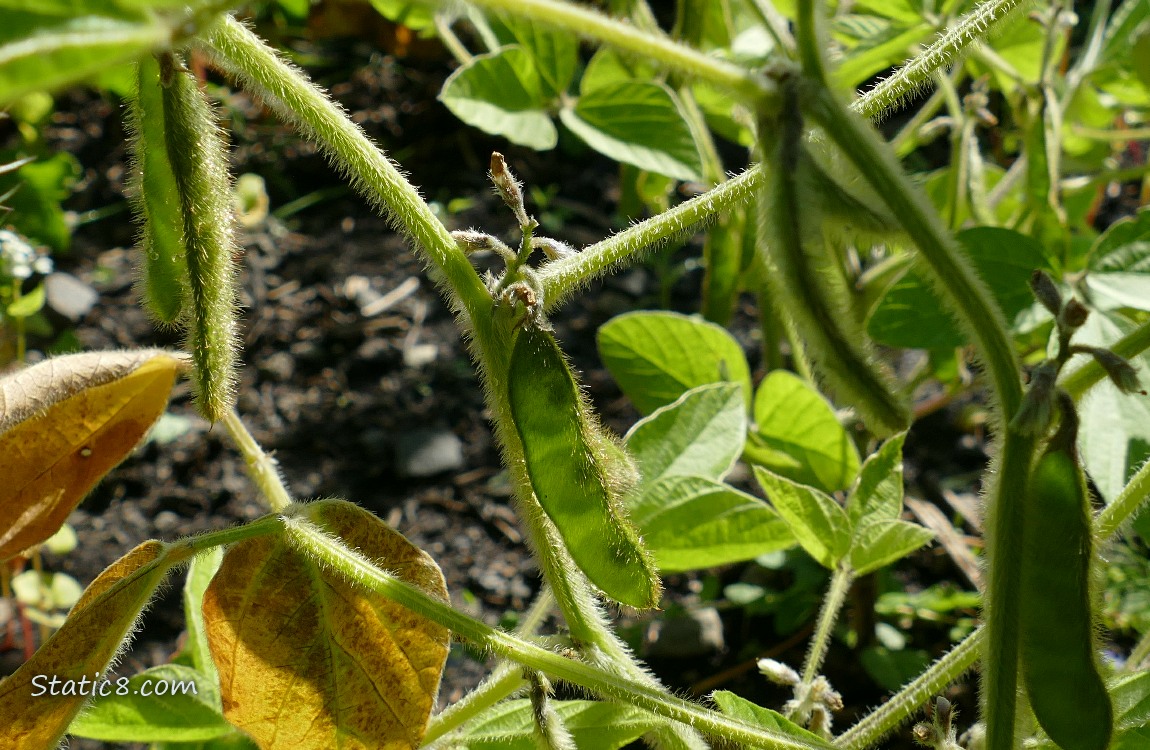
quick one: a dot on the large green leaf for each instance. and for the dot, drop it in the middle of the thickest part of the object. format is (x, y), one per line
(191, 713)
(880, 544)
(48, 45)
(638, 123)
(694, 522)
(556, 54)
(40, 188)
(501, 93)
(603, 726)
(819, 523)
(700, 434)
(798, 436)
(656, 357)
(1119, 265)
(1114, 438)
(910, 315)
(1131, 696)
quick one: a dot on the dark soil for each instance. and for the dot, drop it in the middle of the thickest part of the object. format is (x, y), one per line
(329, 390)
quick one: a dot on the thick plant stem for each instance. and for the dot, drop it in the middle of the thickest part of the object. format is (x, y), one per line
(916, 74)
(285, 89)
(575, 19)
(841, 580)
(357, 569)
(1129, 500)
(974, 308)
(913, 696)
(561, 278)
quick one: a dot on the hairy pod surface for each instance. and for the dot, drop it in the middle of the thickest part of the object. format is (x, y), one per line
(155, 200)
(198, 157)
(1059, 662)
(569, 462)
(798, 277)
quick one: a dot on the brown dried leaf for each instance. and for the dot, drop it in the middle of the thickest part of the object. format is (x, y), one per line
(64, 424)
(308, 660)
(97, 627)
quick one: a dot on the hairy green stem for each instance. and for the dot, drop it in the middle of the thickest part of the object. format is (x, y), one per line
(914, 695)
(561, 278)
(286, 90)
(575, 19)
(357, 569)
(1132, 497)
(262, 469)
(955, 280)
(840, 586)
(911, 77)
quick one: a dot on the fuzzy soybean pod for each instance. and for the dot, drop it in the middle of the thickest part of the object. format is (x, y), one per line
(1059, 648)
(802, 279)
(199, 162)
(155, 200)
(568, 461)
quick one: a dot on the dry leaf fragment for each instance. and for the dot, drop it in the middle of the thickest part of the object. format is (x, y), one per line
(64, 424)
(307, 659)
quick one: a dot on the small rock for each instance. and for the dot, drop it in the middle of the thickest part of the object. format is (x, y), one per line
(419, 355)
(424, 453)
(166, 521)
(69, 296)
(278, 367)
(633, 282)
(695, 633)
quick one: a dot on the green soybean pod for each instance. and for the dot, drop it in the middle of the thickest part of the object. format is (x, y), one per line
(566, 455)
(198, 156)
(155, 200)
(801, 276)
(1059, 649)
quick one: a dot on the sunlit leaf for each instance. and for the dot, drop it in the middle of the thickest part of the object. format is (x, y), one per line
(819, 523)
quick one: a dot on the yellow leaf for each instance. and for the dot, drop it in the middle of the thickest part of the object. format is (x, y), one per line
(307, 660)
(41, 698)
(64, 424)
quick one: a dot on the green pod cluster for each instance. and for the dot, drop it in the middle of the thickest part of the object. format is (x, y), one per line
(802, 277)
(197, 153)
(577, 472)
(1059, 648)
(155, 200)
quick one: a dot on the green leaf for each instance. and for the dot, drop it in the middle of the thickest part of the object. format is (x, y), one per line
(794, 419)
(1131, 696)
(1132, 739)
(1114, 435)
(606, 67)
(741, 708)
(603, 726)
(656, 357)
(1119, 265)
(638, 123)
(893, 669)
(414, 15)
(30, 304)
(910, 315)
(694, 522)
(40, 187)
(878, 496)
(819, 524)
(501, 94)
(46, 46)
(556, 54)
(200, 573)
(880, 544)
(188, 714)
(701, 434)
(890, 47)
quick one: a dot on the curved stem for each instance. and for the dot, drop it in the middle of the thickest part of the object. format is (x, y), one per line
(561, 278)
(1129, 500)
(262, 469)
(286, 90)
(899, 708)
(357, 569)
(840, 586)
(946, 49)
(575, 19)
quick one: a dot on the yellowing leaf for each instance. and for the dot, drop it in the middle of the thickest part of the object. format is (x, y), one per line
(308, 660)
(64, 424)
(41, 698)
